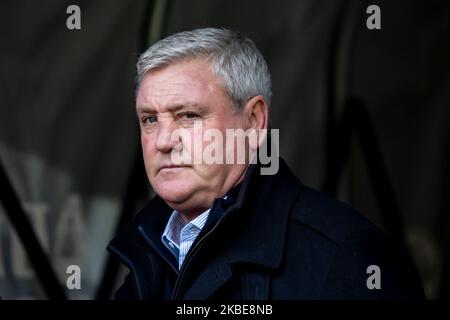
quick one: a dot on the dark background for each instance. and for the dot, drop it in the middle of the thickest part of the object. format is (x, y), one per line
(363, 115)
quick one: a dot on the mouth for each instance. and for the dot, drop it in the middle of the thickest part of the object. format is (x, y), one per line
(172, 167)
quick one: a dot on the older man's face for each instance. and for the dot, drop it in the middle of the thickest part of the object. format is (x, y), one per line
(174, 97)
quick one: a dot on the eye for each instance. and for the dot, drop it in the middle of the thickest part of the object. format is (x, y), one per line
(149, 120)
(189, 116)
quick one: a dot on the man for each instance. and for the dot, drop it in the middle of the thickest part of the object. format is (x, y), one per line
(224, 229)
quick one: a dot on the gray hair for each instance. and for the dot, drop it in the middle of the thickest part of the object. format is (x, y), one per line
(234, 58)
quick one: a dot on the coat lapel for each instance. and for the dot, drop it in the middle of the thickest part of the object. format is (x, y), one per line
(266, 210)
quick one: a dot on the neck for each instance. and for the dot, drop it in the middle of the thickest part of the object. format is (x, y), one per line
(191, 215)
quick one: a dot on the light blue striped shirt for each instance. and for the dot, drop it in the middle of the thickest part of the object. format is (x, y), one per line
(178, 235)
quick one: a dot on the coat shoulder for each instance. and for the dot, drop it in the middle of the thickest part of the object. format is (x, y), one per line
(327, 217)
(348, 246)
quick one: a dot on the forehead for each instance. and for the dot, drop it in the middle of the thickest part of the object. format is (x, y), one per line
(187, 82)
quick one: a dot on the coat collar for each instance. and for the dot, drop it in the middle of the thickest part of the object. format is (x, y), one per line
(262, 211)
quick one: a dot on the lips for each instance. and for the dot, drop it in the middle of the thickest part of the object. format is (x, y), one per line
(172, 166)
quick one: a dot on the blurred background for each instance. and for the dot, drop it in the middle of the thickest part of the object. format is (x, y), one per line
(363, 116)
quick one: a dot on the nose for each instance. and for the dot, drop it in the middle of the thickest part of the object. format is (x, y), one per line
(164, 143)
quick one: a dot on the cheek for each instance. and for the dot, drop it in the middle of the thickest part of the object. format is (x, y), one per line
(148, 148)
(189, 138)
(210, 174)
(147, 142)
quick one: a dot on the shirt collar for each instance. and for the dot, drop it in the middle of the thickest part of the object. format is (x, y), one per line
(200, 221)
(176, 224)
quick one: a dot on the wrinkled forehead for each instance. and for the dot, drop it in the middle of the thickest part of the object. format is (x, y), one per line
(190, 82)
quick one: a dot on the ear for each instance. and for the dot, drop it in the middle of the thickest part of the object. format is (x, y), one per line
(256, 114)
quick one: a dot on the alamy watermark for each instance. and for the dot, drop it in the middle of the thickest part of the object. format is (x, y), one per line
(74, 280)
(374, 20)
(73, 21)
(210, 146)
(374, 280)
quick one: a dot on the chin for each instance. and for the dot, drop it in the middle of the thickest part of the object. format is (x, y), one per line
(182, 198)
(173, 192)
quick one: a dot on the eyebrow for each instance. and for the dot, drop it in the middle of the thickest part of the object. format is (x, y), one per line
(172, 108)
